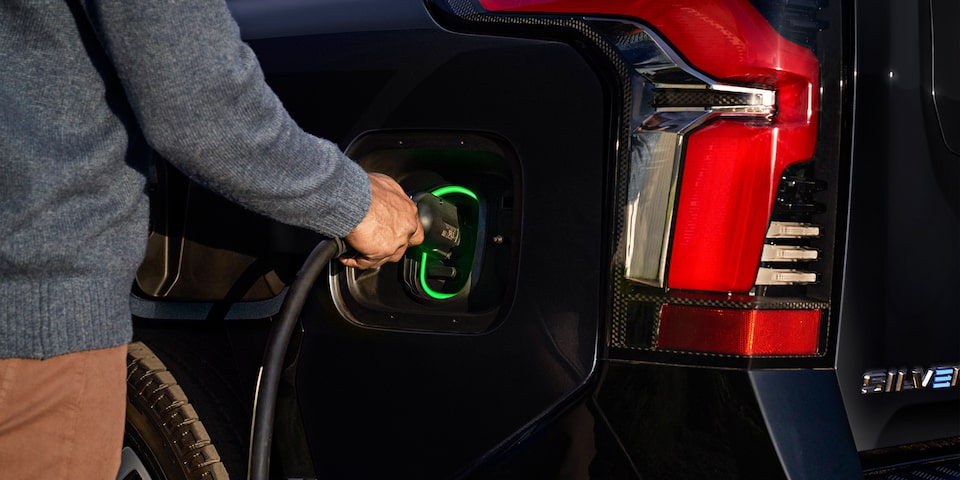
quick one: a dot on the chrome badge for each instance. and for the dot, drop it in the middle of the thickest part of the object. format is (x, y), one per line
(903, 379)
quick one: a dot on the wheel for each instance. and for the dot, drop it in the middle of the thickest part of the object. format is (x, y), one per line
(164, 439)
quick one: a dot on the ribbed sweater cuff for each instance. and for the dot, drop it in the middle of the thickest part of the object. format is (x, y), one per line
(41, 318)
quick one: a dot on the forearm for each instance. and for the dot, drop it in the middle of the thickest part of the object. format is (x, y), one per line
(199, 96)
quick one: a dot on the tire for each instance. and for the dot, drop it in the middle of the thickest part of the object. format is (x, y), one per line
(163, 435)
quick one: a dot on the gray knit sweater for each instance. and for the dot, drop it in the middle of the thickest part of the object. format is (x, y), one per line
(87, 90)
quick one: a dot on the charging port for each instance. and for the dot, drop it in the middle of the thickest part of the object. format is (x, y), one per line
(467, 187)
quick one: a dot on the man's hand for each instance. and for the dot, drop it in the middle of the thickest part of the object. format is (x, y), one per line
(391, 225)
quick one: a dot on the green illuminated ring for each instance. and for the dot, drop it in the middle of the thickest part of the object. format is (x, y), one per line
(423, 282)
(453, 189)
(447, 190)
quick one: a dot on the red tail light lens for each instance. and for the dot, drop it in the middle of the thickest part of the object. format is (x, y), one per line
(723, 111)
(739, 332)
(731, 168)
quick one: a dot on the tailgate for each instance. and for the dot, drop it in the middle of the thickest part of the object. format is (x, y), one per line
(899, 342)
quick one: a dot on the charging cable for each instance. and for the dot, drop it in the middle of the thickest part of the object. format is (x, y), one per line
(441, 227)
(268, 380)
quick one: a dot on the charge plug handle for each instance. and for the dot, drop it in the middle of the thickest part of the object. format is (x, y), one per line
(441, 224)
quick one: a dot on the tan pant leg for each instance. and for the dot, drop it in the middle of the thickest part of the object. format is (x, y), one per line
(62, 418)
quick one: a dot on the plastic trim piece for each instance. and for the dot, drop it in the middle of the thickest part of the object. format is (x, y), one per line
(171, 310)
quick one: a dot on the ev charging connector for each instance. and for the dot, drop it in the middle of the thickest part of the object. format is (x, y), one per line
(440, 269)
(441, 225)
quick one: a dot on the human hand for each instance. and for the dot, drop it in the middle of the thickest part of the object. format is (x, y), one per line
(390, 226)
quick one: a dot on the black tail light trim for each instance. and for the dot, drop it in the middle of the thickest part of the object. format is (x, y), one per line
(801, 198)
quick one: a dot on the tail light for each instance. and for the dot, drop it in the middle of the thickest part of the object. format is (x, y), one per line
(715, 245)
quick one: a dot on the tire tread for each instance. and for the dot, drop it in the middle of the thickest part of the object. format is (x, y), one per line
(154, 389)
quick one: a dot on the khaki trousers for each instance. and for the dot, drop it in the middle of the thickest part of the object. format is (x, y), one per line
(62, 418)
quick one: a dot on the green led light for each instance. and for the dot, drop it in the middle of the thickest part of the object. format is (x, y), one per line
(447, 190)
(423, 282)
(453, 189)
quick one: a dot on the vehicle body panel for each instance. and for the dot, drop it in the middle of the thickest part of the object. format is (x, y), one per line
(400, 394)
(900, 283)
(523, 379)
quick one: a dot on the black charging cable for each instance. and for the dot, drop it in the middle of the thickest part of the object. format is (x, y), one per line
(268, 381)
(441, 227)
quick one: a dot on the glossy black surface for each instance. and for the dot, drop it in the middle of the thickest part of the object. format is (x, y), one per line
(900, 284)
(688, 422)
(533, 393)
(410, 404)
(945, 69)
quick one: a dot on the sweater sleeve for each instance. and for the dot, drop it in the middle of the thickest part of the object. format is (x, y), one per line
(199, 96)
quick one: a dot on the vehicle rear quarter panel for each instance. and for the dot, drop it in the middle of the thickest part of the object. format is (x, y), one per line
(900, 283)
(392, 403)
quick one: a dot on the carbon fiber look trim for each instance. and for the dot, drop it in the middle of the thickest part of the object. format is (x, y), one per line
(635, 308)
(762, 304)
(470, 17)
(940, 470)
(639, 313)
(675, 97)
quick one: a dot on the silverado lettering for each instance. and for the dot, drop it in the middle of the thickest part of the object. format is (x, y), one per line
(901, 379)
